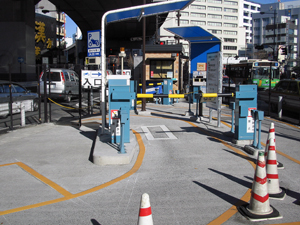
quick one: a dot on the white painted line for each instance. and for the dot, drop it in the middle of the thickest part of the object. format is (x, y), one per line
(163, 127)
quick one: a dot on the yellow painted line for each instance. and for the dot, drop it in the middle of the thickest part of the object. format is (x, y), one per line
(283, 154)
(246, 197)
(68, 196)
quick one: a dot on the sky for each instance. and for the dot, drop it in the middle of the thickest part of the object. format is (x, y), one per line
(71, 26)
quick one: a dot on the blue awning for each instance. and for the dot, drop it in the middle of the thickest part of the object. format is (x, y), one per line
(147, 10)
(194, 34)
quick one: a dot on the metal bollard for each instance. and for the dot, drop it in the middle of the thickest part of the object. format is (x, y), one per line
(253, 113)
(279, 107)
(232, 107)
(22, 107)
(258, 116)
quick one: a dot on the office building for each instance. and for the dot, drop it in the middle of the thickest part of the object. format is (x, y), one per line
(275, 28)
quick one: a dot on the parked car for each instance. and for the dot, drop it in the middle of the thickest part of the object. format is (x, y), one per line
(290, 92)
(20, 95)
(64, 84)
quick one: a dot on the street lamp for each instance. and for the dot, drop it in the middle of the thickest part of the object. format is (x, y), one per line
(274, 58)
(59, 42)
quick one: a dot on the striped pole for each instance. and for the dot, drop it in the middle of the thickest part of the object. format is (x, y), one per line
(145, 215)
(204, 95)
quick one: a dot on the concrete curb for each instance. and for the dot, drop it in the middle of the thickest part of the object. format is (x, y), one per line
(107, 153)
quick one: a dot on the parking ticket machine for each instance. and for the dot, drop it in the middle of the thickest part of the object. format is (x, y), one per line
(121, 100)
(245, 102)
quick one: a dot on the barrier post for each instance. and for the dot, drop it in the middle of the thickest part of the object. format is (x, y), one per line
(92, 103)
(253, 114)
(22, 106)
(260, 117)
(279, 107)
(232, 107)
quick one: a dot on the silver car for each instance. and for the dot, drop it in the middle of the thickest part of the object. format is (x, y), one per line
(64, 84)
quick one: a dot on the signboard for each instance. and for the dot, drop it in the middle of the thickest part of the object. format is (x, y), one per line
(250, 121)
(91, 78)
(214, 78)
(94, 41)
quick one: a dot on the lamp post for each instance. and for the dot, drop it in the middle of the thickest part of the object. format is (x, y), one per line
(274, 57)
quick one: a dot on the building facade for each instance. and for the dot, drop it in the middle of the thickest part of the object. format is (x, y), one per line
(229, 20)
(50, 33)
(275, 28)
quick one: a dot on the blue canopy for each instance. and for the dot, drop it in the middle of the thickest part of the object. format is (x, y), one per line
(147, 10)
(194, 34)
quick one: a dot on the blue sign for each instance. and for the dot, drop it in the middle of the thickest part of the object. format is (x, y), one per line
(93, 44)
(20, 59)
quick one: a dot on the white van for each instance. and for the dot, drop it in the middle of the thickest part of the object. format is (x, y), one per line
(64, 84)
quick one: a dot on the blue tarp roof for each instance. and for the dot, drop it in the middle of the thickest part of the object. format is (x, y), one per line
(194, 34)
(148, 9)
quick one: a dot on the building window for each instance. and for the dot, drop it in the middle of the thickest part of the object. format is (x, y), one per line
(229, 32)
(214, 8)
(246, 21)
(266, 19)
(229, 47)
(253, 7)
(232, 40)
(246, 13)
(214, 16)
(215, 1)
(159, 68)
(216, 24)
(230, 3)
(182, 21)
(184, 13)
(246, 6)
(230, 25)
(200, 7)
(195, 22)
(230, 10)
(203, 15)
(215, 31)
(230, 17)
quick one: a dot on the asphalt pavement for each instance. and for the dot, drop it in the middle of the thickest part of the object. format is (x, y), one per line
(190, 168)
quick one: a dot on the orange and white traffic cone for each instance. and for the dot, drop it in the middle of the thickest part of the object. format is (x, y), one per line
(145, 215)
(272, 173)
(271, 135)
(259, 208)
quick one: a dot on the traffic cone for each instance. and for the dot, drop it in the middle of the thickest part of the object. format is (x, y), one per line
(145, 215)
(272, 173)
(271, 135)
(259, 208)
